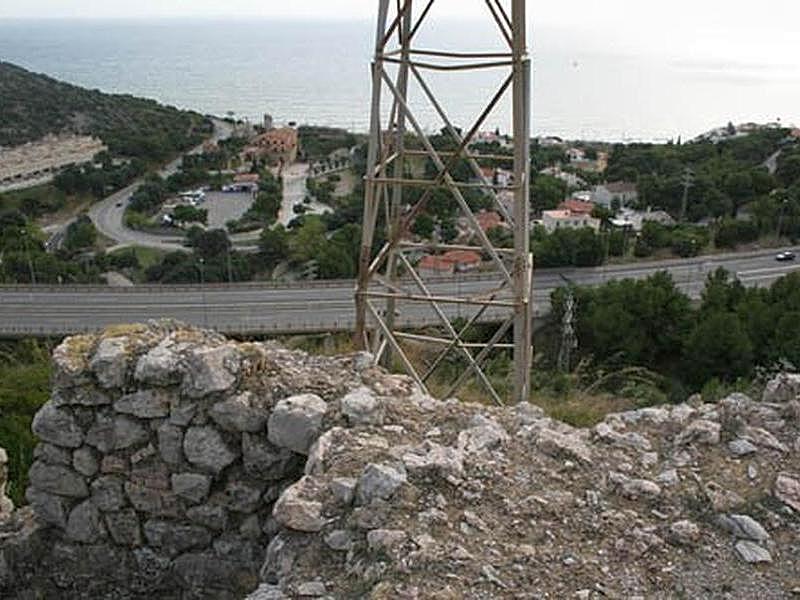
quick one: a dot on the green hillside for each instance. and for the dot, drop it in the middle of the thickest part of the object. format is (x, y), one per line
(33, 105)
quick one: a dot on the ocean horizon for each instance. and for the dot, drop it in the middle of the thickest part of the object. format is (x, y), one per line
(585, 85)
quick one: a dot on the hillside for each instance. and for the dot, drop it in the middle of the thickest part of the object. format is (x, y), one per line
(34, 105)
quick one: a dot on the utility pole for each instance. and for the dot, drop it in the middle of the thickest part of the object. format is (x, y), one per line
(400, 66)
(24, 233)
(688, 183)
(569, 341)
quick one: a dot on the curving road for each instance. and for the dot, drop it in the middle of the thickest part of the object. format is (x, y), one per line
(108, 214)
(315, 306)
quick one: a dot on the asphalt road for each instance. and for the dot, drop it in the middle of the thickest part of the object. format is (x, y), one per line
(108, 214)
(318, 306)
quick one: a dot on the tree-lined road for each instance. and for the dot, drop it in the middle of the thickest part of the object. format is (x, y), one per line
(317, 306)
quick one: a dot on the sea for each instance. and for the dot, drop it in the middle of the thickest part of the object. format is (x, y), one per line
(587, 84)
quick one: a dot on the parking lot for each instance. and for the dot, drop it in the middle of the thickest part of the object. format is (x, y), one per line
(223, 207)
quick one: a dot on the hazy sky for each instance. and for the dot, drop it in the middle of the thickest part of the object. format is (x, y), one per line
(768, 14)
(757, 32)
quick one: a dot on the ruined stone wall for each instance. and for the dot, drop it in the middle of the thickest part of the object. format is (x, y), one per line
(162, 452)
(175, 463)
(6, 506)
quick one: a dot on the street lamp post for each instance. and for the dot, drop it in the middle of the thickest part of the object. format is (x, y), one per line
(203, 291)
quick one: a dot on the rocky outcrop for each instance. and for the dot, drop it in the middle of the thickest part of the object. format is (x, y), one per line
(177, 464)
(156, 473)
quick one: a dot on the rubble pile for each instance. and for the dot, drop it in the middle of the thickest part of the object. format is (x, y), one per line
(178, 464)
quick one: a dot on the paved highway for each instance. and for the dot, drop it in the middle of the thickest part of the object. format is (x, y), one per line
(316, 306)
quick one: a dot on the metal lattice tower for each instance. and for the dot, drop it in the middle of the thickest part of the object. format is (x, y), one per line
(389, 284)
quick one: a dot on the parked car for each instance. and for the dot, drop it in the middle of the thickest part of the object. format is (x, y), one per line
(785, 256)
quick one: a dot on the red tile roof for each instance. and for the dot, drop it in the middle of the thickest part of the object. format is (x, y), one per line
(489, 220)
(577, 207)
(462, 257)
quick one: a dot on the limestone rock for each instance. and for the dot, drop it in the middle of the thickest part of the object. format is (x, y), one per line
(205, 448)
(110, 362)
(210, 370)
(783, 388)
(238, 414)
(57, 480)
(170, 444)
(192, 487)
(128, 432)
(212, 516)
(684, 533)
(296, 509)
(50, 508)
(378, 482)
(700, 431)
(240, 497)
(145, 404)
(173, 539)
(787, 490)
(343, 490)
(84, 523)
(339, 540)
(385, 540)
(85, 462)
(52, 455)
(101, 433)
(161, 366)
(296, 422)
(743, 527)
(123, 527)
(436, 459)
(563, 446)
(752, 553)
(107, 493)
(264, 461)
(762, 437)
(57, 427)
(741, 447)
(484, 434)
(362, 407)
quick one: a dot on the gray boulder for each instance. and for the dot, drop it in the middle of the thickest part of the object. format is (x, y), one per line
(128, 432)
(84, 461)
(210, 370)
(296, 422)
(295, 511)
(362, 407)
(84, 523)
(752, 553)
(170, 444)
(238, 414)
(192, 487)
(145, 404)
(57, 426)
(50, 508)
(161, 366)
(58, 480)
(110, 362)
(379, 482)
(123, 527)
(205, 448)
(173, 539)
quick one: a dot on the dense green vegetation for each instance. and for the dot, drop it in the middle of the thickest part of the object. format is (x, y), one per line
(318, 143)
(651, 324)
(726, 176)
(23, 258)
(264, 210)
(36, 105)
(24, 387)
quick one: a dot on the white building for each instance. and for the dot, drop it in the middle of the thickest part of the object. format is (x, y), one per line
(624, 193)
(635, 219)
(566, 219)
